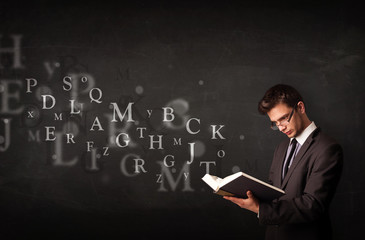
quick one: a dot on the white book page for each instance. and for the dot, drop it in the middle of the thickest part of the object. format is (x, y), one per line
(216, 182)
(263, 183)
(212, 181)
(229, 178)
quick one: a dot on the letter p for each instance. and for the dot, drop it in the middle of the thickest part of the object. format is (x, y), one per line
(31, 82)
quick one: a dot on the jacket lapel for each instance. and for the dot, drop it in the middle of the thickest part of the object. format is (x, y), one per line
(277, 181)
(299, 157)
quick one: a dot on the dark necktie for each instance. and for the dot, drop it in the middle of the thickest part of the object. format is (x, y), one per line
(289, 159)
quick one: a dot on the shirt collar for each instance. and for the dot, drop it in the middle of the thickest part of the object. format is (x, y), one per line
(305, 134)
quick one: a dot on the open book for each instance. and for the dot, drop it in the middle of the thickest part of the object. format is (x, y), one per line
(239, 183)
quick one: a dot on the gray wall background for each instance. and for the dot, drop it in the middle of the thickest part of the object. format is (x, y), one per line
(206, 60)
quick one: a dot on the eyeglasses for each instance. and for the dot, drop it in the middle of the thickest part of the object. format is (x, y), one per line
(284, 122)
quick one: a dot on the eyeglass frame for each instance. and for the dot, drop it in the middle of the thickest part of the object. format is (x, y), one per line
(284, 122)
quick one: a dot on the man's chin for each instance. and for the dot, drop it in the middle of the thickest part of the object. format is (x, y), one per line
(290, 133)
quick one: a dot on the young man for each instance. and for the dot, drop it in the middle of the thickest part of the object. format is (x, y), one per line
(307, 166)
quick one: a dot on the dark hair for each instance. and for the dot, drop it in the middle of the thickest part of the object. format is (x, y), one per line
(280, 93)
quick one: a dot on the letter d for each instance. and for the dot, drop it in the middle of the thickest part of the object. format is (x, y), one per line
(44, 98)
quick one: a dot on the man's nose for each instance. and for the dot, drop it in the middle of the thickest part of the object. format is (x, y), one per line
(282, 128)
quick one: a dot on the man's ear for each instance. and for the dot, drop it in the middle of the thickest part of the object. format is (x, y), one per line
(301, 107)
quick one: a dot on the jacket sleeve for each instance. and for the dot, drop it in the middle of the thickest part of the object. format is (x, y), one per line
(321, 178)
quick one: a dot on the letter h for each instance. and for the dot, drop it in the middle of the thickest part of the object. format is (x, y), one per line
(15, 50)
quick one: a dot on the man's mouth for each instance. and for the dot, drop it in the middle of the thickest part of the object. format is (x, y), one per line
(288, 132)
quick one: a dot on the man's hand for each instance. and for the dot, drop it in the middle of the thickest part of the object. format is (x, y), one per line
(250, 203)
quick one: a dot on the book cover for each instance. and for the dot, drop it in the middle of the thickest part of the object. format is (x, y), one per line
(239, 183)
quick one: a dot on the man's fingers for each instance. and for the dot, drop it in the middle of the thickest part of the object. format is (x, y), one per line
(249, 194)
(230, 198)
(250, 203)
(233, 199)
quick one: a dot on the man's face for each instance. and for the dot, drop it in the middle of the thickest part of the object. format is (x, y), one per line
(281, 112)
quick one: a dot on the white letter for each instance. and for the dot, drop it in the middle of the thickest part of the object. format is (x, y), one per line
(96, 123)
(68, 83)
(6, 138)
(217, 132)
(159, 141)
(165, 114)
(70, 136)
(137, 166)
(207, 165)
(170, 179)
(45, 100)
(188, 126)
(33, 137)
(73, 107)
(191, 152)
(172, 162)
(221, 153)
(106, 153)
(124, 138)
(121, 117)
(177, 142)
(92, 98)
(58, 117)
(149, 112)
(15, 51)
(140, 129)
(6, 96)
(48, 133)
(30, 85)
(90, 144)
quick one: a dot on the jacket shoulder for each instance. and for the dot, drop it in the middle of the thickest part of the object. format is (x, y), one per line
(323, 139)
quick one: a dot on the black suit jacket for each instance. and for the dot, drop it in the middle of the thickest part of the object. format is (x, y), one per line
(310, 184)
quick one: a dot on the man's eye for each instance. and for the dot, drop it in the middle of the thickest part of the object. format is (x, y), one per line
(283, 118)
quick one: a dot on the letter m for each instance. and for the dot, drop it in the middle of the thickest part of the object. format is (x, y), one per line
(166, 175)
(177, 141)
(120, 115)
(58, 117)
